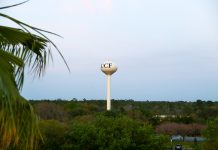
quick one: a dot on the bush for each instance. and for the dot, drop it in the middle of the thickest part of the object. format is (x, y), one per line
(211, 134)
(53, 133)
(109, 132)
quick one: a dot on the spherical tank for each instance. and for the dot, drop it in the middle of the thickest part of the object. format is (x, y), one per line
(108, 67)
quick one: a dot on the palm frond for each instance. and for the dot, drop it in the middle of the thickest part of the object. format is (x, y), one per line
(18, 122)
(7, 82)
(11, 58)
(29, 48)
(13, 5)
(18, 47)
(25, 27)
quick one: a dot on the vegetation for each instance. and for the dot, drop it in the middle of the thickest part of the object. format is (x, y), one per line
(84, 124)
(211, 134)
(19, 48)
(68, 125)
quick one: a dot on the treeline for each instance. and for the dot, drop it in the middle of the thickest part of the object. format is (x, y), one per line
(84, 124)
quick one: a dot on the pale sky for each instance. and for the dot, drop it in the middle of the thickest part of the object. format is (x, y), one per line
(164, 49)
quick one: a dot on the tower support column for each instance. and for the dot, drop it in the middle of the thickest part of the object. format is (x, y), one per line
(109, 92)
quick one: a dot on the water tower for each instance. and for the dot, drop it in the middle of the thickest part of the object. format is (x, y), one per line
(108, 67)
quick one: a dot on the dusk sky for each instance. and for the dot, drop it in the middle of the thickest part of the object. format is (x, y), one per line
(164, 49)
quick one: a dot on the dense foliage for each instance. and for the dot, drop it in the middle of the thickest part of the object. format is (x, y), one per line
(211, 134)
(84, 124)
(101, 132)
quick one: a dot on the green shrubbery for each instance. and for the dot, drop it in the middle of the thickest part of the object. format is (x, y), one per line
(105, 131)
(211, 133)
(84, 125)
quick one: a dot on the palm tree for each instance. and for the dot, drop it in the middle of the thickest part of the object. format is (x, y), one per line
(20, 48)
